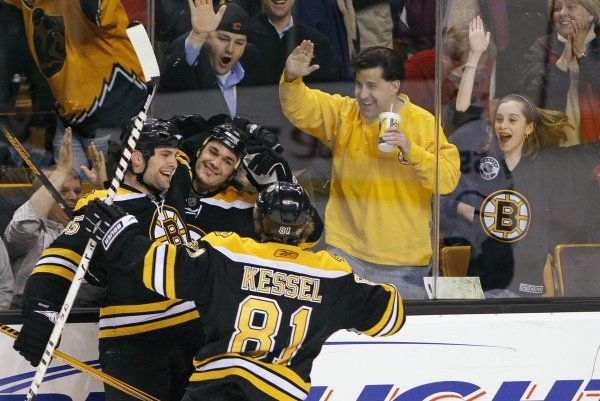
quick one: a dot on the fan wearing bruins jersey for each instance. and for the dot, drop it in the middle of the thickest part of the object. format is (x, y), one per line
(267, 306)
(144, 339)
(215, 204)
(82, 49)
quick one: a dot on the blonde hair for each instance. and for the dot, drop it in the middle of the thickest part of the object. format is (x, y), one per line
(592, 6)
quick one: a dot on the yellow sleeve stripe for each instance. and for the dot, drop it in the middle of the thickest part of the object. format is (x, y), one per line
(400, 316)
(59, 271)
(148, 272)
(170, 272)
(65, 253)
(160, 306)
(143, 328)
(386, 314)
(256, 382)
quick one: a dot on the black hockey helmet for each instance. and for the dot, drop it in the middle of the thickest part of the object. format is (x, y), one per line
(282, 212)
(230, 136)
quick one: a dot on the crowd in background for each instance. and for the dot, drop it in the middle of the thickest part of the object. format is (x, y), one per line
(547, 51)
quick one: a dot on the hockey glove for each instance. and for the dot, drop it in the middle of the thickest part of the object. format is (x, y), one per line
(257, 135)
(110, 226)
(266, 166)
(39, 317)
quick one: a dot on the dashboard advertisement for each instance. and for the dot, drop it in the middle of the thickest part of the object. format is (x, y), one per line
(487, 357)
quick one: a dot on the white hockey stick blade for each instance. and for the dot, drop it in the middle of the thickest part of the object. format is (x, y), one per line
(143, 49)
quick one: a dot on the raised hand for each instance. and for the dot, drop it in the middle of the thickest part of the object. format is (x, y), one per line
(204, 19)
(298, 62)
(65, 155)
(97, 175)
(479, 39)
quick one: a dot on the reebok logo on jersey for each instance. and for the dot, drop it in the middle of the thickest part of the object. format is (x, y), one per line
(51, 315)
(284, 253)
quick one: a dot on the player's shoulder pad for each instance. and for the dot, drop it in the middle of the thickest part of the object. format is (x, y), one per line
(232, 195)
(100, 194)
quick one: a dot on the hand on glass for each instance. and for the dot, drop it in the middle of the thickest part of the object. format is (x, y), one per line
(65, 156)
(204, 18)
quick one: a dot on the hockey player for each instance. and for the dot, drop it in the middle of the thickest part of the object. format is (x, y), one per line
(144, 339)
(267, 306)
(215, 204)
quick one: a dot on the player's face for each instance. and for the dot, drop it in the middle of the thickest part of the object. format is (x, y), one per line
(161, 167)
(276, 9)
(215, 165)
(511, 127)
(224, 50)
(373, 93)
(564, 15)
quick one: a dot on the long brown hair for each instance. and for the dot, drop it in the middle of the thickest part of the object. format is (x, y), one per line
(548, 126)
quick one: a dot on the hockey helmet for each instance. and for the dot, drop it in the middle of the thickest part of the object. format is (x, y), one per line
(283, 210)
(229, 136)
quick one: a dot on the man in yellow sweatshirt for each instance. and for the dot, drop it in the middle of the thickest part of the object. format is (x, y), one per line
(379, 212)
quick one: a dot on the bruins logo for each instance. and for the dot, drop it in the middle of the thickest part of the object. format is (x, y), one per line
(168, 226)
(505, 216)
(488, 168)
(49, 42)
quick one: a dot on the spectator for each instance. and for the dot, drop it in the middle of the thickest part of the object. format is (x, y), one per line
(379, 211)
(510, 180)
(263, 329)
(375, 25)
(40, 220)
(560, 71)
(337, 21)
(276, 33)
(6, 278)
(214, 55)
(98, 82)
(420, 75)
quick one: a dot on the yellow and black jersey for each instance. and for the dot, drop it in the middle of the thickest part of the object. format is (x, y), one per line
(267, 308)
(231, 210)
(82, 49)
(129, 308)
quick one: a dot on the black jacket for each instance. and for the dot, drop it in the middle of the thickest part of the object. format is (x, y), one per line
(275, 50)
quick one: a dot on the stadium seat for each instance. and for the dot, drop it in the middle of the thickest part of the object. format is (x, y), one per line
(454, 260)
(578, 269)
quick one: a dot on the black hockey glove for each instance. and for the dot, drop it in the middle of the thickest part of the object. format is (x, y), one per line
(266, 166)
(39, 317)
(110, 226)
(257, 135)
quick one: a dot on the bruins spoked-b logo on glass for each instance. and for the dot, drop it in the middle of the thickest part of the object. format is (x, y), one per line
(505, 216)
(168, 226)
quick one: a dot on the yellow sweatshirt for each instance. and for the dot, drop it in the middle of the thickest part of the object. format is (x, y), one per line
(379, 210)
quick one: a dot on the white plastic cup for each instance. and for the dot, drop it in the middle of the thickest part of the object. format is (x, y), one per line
(387, 119)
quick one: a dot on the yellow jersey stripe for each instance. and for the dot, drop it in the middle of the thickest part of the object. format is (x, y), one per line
(142, 328)
(400, 316)
(386, 314)
(160, 306)
(65, 253)
(148, 272)
(59, 271)
(260, 384)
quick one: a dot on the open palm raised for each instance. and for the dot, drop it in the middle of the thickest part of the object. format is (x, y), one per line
(298, 62)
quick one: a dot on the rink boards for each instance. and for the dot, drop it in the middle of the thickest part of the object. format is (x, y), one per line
(486, 357)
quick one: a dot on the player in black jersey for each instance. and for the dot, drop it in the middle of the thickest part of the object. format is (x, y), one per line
(144, 339)
(267, 307)
(216, 203)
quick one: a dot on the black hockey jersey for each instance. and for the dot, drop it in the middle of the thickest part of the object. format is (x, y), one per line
(231, 210)
(82, 49)
(129, 308)
(267, 309)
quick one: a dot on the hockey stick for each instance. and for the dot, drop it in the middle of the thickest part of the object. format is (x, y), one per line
(145, 53)
(35, 170)
(77, 364)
